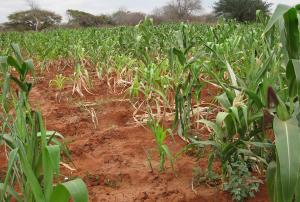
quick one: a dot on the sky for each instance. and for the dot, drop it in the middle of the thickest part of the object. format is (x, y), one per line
(100, 6)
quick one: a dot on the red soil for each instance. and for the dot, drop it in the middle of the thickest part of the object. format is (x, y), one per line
(111, 159)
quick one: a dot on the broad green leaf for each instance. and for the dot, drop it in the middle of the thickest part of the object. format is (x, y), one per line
(180, 55)
(287, 144)
(13, 62)
(278, 13)
(28, 66)
(221, 117)
(224, 101)
(235, 113)
(49, 134)
(74, 189)
(292, 81)
(32, 180)
(292, 34)
(17, 52)
(54, 154)
(46, 160)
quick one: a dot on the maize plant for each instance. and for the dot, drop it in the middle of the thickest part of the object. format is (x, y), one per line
(33, 153)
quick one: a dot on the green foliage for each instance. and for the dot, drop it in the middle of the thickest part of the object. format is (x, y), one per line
(160, 135)
(84, 19)
(33, 153)
(241, 10)
(58, 83)
(34, 19)
(188, 88)
(241, 183)
(164, 68)
(283, 176)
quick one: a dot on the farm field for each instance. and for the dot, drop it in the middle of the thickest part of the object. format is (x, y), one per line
(177, 112)
(111, 159)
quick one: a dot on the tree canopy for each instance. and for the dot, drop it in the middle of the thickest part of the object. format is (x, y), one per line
(241, 10)
(85, 19)
(35, 19)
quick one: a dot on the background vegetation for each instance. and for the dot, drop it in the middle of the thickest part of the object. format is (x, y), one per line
(175, 11)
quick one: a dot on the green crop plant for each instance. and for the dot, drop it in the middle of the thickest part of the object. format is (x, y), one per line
(58, 83)
(259, 98)
(165, 68)
(33, 153)
(283, 174)
(189, 88)
(160, 135)
(239, 124)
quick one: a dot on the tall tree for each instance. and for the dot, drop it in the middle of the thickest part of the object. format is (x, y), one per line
(34, 19)
(241, 10)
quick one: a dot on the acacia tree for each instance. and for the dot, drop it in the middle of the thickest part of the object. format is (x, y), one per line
(241, 10)
(35, 19)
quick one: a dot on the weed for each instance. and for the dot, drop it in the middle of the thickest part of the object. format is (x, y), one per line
(241, 184)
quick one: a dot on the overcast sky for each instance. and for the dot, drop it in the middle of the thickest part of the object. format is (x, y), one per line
(100, 6)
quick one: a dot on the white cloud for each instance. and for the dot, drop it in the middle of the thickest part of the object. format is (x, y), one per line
(98, 6)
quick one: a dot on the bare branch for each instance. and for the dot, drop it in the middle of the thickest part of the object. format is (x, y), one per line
(33, 4)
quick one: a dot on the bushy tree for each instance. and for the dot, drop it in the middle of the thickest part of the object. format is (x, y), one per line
(34, 19)
(241, 10)
(83, 19)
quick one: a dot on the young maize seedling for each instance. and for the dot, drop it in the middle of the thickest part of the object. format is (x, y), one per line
(160, 135)
(58, 83)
